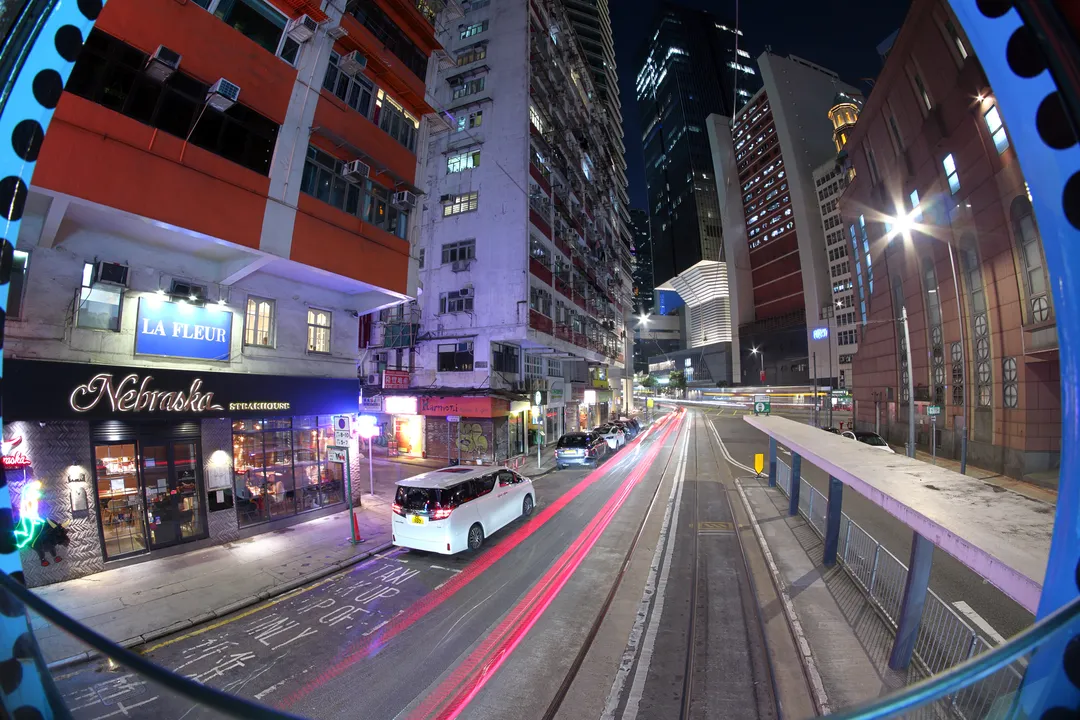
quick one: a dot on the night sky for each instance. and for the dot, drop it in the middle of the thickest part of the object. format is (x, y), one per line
(831, 33)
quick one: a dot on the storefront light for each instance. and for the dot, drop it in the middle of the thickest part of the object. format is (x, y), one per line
(590, 397)
(399, 405)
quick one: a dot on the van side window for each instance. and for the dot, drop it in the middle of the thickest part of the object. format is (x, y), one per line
(507, 478)
(485, 484)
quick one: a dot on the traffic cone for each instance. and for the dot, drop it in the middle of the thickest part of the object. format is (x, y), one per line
(356, 529)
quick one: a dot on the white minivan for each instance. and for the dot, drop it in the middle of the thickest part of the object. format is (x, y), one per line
(449, 510)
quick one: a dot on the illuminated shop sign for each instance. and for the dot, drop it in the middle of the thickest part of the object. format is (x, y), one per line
(259, 406)
(399, 405)
(132, 394)
(183, 330)
(14, 456)
(30, 521)
(821, 333)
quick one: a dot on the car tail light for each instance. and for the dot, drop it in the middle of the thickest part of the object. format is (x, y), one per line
(441, 513)
(398, 510)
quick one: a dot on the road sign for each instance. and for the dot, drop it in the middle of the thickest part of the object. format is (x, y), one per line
(336, 454)
(762, 405)
(342, 430)
(649, 402)
(759, 462)
(933, 410)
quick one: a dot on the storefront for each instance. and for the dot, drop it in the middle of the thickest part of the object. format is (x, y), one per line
(470, 429)
(405, 427)
(556, 402)
(136, 461)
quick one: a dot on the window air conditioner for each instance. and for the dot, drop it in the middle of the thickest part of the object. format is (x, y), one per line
(356, 170)
(460, 266)
(373, 379)
(404, 199)
(352, 63)
(222, 95)
(466, 292)
(111, 274)
(302, 29)
(162, 64)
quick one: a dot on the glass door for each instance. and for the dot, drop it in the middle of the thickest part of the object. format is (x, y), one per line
(173, 486)
(120, 500)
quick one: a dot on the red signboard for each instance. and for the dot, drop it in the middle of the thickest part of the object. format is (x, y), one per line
(762, 376)
(395, 379)
(14, 457)
(468, 407)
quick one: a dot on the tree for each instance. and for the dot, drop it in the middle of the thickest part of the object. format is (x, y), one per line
(677, 380)
(648, 382)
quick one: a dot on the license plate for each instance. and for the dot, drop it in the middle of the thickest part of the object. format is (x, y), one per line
(417, 520)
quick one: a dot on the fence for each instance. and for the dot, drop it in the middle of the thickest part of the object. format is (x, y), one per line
(945, 639)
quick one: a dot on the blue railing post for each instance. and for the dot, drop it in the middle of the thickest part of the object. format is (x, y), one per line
(772, 462)
(832, 520)
(911, 607)
(796, 484)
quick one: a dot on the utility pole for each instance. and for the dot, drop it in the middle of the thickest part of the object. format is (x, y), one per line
(910, 386)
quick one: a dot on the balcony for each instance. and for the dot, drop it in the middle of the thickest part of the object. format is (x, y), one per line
(564, 333)
(563, 287)
(540, 322)
(537, 268)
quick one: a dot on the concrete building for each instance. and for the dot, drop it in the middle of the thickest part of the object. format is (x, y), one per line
(945, 207)
(764, 160)
(644, 297)
(694, 65)
(524, 242)
(224, 190)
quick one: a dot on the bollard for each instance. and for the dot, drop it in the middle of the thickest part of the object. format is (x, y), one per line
(911, 607)
(796, 484)
(772, 462)
(832, 520)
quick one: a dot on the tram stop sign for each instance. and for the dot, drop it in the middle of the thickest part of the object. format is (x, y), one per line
(762, 405)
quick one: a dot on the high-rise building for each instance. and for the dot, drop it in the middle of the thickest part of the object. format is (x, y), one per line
(525, 241)
(642, 263)
(204, 228)
(694, 65)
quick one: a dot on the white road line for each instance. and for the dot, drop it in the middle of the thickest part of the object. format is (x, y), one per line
(440, 567)
(260, 695)
(653, 594)
(969, 612)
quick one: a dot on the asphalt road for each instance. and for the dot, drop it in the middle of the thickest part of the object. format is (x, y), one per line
(951, 580)
(416, 635)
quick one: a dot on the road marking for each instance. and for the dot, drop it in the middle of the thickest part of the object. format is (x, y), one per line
(715, 526)
(440, 567)
(263, 693)
(969, 612)
(654, 593)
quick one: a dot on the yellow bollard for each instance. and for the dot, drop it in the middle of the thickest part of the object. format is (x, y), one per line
(759, 463)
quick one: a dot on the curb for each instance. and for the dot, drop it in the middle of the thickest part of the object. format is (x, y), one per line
(222, 611)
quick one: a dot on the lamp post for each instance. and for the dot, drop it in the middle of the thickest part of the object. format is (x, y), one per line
(910, 386)
(760, 354)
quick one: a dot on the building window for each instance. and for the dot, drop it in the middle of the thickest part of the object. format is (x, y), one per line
(554, 368)
(463, 161)
(472, 54)
(921, 91)
(395, 122)
(420, 258)
(318, 331)
(456, 301)
(901, 346)
(259, 21)
(259, 322)
(365, 199)
(956, 354)
(469, 87)
(461, 203)
(898, 141)
(540, 301)
(1029, 245)
(997, 129)
(468, 31)
(914, 199)
(971, 271)
(933, 320)
(390, 35)
(871, 162)
(504, 358)
(957, 42)
(20, 264)
(951, 173)
(534, 366)
(110, 73)
(456, 251)
(281, 468)
(1010, 386)
(99, 304)
(456, 357)
(356, 91)
(468, 121)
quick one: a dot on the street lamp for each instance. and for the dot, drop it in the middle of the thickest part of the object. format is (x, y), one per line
(755, 351)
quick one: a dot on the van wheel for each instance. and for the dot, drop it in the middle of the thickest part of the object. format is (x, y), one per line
(527, 506)
(476, 537)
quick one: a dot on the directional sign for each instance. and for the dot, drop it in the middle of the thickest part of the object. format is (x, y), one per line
(762, 405)
(336, 454)
(933, 410)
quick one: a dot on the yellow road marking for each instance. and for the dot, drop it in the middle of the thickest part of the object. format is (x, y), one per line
(716, 526)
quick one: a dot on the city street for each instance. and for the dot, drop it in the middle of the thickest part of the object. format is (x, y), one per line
(998, 616)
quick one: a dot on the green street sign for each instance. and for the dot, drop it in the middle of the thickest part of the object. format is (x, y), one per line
(762, 405)
(933, 410)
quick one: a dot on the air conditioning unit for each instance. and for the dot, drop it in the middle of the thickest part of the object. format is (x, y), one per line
(372, 379)
(162, 64)
(302, 29)
(404, 199)
(461, 266)
(338, 32)
(445, 198)
(109, 273)
(352, 63)
(466, 292)
(356, 170)
(222, 95)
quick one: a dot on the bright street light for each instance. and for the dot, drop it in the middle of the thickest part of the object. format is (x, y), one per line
(753, 351)
(643, 318)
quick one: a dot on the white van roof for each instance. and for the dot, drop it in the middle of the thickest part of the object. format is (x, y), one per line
(447, 477)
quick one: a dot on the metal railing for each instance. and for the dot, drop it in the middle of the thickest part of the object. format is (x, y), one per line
(944, 640)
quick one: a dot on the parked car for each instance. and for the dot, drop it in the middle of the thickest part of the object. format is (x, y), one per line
(456, 508)
(613, 434)
(627, 428)
(580, 448)
(832, 430)
(868, 438)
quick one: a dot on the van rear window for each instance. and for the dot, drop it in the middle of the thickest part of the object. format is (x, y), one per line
(418, 499)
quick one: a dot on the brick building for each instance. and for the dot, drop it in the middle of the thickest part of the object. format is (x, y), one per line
(930, 149)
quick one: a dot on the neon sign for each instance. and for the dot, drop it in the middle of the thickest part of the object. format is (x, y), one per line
(133, 395)
(13, 457)
(821, 333)
(30, 521)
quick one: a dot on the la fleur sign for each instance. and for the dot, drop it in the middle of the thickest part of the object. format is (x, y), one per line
(132, 394)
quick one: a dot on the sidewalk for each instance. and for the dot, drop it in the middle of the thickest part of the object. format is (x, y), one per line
(138, 603)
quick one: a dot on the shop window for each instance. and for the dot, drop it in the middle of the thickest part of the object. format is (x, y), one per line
(99, 304)
(20, 264)
(280, 468)
(367, 200)
(259, 322)
(110, 73)
(257, 21)
(119, 500)
(504, 358)
(356, 91)
(318, 331)
(456, 357)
